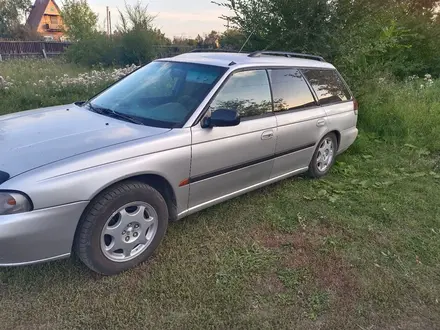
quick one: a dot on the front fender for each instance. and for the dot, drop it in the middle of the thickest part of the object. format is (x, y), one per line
(51, 186)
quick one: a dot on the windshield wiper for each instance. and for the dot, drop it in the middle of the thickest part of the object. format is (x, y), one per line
(114, 114)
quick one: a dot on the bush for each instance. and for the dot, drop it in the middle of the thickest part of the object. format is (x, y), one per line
(94, 50)
(121, 49)
(361, 37)
(136, 41)
(402, 111)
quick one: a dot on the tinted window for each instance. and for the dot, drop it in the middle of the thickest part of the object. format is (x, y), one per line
(247, 92)
(290, 91)
(162, 94)
(327, 85)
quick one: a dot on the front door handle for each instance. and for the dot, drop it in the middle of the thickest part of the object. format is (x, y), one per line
(320, 123)
(267, 135)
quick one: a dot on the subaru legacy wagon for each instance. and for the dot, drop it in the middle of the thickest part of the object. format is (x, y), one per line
(103, 178)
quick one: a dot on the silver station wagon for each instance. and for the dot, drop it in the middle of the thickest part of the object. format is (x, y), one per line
(103, 178)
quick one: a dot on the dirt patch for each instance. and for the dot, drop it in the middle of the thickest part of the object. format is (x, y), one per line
(270, 284)
(312, 249)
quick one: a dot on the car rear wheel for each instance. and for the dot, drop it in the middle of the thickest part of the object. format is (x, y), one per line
(121, 228)
(324, 156)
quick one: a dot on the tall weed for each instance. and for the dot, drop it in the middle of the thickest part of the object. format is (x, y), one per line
(402, 111)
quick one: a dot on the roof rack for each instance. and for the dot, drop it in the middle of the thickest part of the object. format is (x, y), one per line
(201, 50)
(287, 54)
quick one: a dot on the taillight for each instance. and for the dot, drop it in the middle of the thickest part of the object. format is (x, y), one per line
(355, 106)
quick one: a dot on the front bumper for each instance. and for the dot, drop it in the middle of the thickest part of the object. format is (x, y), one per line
(40, 235)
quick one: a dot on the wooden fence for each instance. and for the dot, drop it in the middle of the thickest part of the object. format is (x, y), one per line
(16, 49)
(13, 49)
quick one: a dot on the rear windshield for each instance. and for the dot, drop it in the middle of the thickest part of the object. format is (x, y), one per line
(328, 85)
(161, 94)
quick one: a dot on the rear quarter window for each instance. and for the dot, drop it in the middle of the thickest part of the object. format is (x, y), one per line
(290, 91)
(327, 85)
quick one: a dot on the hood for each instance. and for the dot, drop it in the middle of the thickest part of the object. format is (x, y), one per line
(39, 137)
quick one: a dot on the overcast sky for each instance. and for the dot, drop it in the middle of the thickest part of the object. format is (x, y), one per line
(174, 17)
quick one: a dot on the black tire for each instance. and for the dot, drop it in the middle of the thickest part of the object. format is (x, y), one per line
(87, 243)
(314, 172)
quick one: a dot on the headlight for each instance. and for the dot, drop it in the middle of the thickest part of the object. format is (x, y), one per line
(13, 202)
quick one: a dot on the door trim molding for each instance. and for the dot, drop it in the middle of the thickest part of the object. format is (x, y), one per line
(220, 199)
(225, 170)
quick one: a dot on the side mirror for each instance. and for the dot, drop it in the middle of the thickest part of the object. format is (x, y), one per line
(222, 118)
(80, 103)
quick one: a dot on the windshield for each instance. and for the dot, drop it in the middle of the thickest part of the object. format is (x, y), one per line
(161, 94)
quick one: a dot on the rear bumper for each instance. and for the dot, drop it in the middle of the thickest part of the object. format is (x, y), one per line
(39, 236)
(347, 139)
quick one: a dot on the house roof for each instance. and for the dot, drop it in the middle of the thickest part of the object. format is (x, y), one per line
(37, 13)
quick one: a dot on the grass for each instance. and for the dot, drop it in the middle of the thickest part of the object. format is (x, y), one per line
(357, 250)
(400, 111)
(38, 83)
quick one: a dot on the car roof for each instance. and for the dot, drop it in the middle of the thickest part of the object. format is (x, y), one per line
(243, 60)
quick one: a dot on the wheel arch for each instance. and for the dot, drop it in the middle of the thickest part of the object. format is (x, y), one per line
(158, 182)
(336, 133)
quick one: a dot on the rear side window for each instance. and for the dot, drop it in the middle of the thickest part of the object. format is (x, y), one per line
(328, 86)
(246, 92)
(290, 91)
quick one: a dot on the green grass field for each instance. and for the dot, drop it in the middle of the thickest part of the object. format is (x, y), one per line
(357, 250)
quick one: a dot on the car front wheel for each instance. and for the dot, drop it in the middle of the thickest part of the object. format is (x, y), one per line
(121, 228)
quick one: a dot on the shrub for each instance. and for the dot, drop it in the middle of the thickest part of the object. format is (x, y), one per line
(136, 41)
(402, 111)
(94, 50)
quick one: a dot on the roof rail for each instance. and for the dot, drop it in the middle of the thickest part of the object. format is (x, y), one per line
(287, 54)
(201, 50)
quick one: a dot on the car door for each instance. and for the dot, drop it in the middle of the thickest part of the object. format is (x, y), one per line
(301, 121)
(226, 160)
(337, 102)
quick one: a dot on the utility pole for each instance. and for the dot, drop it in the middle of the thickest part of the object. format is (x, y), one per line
(108, 23)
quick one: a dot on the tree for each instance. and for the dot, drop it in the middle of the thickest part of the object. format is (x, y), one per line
(296, 25)
(211, 40)
(79, 19)
(361, 36)
(182, 41)
(11, 14)
(232, 39)
(137, 35)
(135, 17)
(199, 41)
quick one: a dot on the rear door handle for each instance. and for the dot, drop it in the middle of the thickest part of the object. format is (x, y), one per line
(267, 135)
(320, 123)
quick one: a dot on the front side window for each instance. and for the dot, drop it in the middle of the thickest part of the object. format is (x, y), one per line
(328, 86)
(290, 91)
(246, 92)
(161, 94)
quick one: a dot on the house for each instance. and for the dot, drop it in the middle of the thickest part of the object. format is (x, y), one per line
(45, 18)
